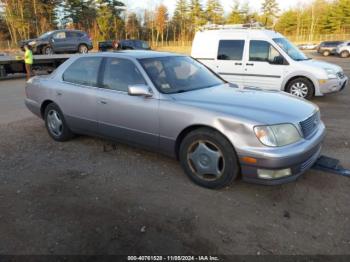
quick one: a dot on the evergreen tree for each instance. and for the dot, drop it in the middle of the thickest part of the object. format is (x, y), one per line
(235, 16)
(214, 12)
(270, 9)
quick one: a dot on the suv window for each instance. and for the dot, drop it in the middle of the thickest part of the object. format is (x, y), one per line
(231, 49)
(119, 74)
(60, 35)
(262, 51)
(73, 34)
(83, 71)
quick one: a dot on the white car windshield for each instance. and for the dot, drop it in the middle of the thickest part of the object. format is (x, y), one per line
(290, 49)
(177, 74)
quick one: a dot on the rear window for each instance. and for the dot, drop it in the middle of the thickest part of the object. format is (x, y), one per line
(231, 49)
(83, 71)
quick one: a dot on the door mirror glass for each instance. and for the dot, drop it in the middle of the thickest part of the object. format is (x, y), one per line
(139, 90)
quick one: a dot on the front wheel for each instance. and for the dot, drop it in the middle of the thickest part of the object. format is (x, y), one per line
(47, 50)
(326, 53)
(208, 158)
(344, 54)
(301, 87)
(56, 124)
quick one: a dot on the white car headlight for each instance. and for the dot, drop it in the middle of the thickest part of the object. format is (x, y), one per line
(331, 73)
(277, 135)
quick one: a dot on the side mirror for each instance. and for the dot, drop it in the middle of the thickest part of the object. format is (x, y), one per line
(140, 90)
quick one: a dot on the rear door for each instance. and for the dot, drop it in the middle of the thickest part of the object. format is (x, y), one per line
(134, 119)
(72, 41)
(265, 66)
(77, 94)
(229, 64)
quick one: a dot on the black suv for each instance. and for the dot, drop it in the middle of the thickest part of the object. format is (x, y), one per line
(123, 45)
(328, 48)
(60, 41)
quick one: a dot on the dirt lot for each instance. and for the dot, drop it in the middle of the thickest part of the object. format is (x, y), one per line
(74, 198)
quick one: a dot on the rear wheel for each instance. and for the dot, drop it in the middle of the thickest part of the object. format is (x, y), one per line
(344, 54)
(301, 87)
(56, 124)
(83, 49)
(208, 158)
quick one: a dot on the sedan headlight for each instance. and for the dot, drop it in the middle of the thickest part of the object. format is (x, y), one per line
(331, 73)
(277, 135)
(32, 43)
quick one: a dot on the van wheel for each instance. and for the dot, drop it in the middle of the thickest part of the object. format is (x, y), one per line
(326, 53)
(56, 124)
(208, 158)
(301, 87)
(344, 54)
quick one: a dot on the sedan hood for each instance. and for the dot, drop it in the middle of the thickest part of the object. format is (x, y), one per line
(261, 107)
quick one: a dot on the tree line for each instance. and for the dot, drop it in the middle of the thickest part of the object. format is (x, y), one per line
(111, 19)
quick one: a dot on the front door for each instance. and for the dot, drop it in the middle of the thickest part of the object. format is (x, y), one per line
(59, 42)
(265, 67)
(229, 64)
(133, 119)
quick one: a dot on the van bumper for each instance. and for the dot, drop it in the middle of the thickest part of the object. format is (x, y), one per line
(334, 85)
(296, 158)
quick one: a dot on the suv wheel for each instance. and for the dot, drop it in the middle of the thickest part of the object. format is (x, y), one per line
(301, 87)
(208, 158)
(344, 54)
(56, 124)
(47, 50)
(326, 53)
(83, 49)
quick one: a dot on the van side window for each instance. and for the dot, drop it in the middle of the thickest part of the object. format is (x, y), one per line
(262, 51)
(231, 50)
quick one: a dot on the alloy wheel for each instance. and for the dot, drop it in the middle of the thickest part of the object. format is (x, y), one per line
(54, 123)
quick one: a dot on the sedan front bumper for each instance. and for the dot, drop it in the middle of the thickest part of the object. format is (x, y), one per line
(298, 158)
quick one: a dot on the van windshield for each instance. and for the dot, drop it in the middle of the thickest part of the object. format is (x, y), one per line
(290, 49)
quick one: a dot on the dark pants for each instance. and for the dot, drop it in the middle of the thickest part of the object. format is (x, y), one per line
(28, 71)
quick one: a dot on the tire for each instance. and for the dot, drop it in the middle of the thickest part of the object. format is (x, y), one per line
(83, 49)
(301, 87)
(56, 125)
(344, 54)
(204, 150)
(47, 50)
(326, 53)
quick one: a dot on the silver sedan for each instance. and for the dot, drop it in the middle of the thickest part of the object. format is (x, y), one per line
(174, 105)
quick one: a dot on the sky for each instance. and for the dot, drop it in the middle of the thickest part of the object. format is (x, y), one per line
(255, 5)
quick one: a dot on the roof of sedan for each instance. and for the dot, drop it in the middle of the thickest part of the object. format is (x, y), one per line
(138, 54)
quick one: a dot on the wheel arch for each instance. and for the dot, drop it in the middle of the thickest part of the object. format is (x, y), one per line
(188, 130)
(43, 107)
(299, 76)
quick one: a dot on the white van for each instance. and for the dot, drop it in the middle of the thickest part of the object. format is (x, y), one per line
(265, 59)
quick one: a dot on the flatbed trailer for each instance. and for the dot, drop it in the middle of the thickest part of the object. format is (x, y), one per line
(15, 64)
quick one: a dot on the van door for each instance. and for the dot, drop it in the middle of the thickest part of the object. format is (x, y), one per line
(265, 66)
(229, 64)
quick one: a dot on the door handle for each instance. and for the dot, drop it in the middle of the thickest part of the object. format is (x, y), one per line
(103, 102)
(249, 64)
(59, 93)
(238, 64)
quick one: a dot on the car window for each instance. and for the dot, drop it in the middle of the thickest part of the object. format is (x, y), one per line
(72, 34)
(262, 51)
(176, 74)
(119, 74)
(60, 35)
(231, 49)
(83, 71)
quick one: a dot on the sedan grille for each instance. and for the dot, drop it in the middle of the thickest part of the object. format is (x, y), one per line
(309, 126)
(341, 75)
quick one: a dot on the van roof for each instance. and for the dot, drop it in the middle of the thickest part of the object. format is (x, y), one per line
(261, 33)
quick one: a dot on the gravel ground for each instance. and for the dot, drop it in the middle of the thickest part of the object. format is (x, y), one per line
(86, 197)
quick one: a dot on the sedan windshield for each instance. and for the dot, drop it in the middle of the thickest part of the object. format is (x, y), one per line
(177, 74)
(290, 49)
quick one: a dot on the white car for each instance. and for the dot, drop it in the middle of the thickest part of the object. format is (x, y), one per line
(343, 50)
(265, 59)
